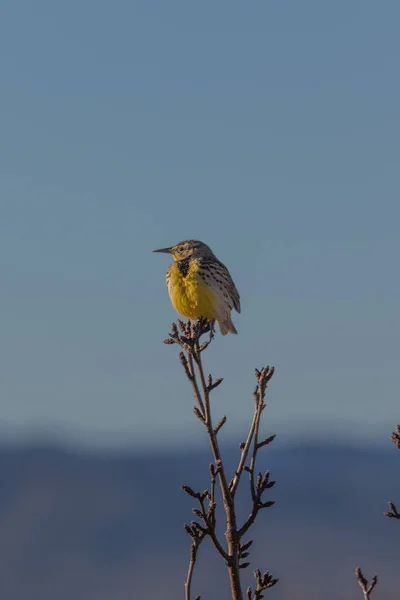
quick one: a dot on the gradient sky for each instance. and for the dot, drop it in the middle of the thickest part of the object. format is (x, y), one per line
(269, 130)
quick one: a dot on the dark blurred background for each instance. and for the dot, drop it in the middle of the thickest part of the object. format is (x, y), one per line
(75, 525)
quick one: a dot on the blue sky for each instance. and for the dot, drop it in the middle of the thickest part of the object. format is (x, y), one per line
(269, 130)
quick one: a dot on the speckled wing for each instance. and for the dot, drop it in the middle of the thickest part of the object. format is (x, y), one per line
(215, 273)
(234, 294)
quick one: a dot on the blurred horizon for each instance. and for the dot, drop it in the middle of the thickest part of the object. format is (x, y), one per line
(348, 435)
(108, 520)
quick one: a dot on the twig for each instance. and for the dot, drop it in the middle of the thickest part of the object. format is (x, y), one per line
(258, 487)
(364, 584)
(263, 582)
(197, 537)
(232, 556)
(196, 391)
(263, 377)
(191, 359)
(393, 512)
(395, 437)
(245, 450)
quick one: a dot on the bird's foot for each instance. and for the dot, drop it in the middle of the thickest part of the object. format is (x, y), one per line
(212, 329)
(202, 326)
(198, 327)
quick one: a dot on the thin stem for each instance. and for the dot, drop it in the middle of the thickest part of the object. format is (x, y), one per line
(250, 519)
(231, 531)
(252, 436)
(211, 531)
(192, 562)
(210, 430)
(196, 391)
(243, 457)
(257, 418)
(190, 356)
(365, 586)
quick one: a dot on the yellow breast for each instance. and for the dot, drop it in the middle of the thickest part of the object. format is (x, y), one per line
(190, 296)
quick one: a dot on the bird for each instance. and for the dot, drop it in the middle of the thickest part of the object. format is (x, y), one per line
(200, 286)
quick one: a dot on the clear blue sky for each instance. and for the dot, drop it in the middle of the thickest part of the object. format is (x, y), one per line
(269, 130)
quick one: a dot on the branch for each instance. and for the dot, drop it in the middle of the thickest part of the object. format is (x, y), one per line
(364, 584)
(245, 450)
(393, 512)
(263, 377)
(197, 537)
(263, 582)
(207, 515)
(209, 520)
(395, 437)
(191, 359)
(257, 487)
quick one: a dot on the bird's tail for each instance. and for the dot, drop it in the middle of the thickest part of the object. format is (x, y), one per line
(226, 325)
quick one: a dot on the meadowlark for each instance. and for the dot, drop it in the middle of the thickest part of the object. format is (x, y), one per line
(200, 286)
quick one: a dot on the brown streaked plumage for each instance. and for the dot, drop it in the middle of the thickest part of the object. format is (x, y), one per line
(200, 286)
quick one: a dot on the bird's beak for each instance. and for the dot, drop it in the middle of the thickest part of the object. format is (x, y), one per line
(165, 250)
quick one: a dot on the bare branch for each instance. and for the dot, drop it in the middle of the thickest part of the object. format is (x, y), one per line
(198, 414)
(220, 424)
(196, 391)
(263, 377)
(263, 582)
(208, 520)
(188, 338)
(395, 437)
(212, 385)
(245, 450)
(197, 537)
(393, 512)
(267, 440)
(258, 487)
(365, 586)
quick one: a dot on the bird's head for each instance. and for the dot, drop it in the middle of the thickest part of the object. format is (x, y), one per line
(187, 249)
